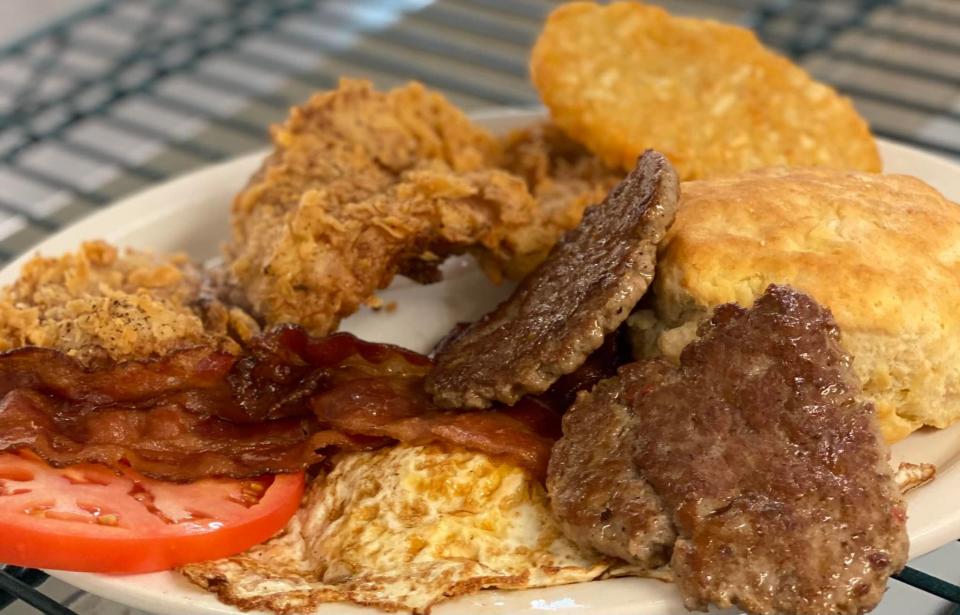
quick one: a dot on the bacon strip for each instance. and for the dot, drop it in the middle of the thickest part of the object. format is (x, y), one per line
(163, 442)
(198, 413)
(50, 371)
(398, 408)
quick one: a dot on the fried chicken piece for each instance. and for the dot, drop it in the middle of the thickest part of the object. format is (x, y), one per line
(563, 176)
(363, 185)
(100, 304)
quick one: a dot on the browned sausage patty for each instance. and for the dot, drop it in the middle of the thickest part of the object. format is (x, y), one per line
(561, 312)
(755, 453)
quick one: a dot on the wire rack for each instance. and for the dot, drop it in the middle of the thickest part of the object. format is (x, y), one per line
(121, 95)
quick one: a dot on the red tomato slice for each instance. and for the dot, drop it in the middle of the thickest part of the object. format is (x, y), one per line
(88, 518)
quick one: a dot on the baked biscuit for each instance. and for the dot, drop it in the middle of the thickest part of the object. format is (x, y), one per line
(881, 251)
(627, 77)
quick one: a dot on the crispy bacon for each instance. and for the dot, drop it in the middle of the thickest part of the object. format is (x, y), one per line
(49, 371)
(400, 409)
(199, 413)
(285, 367)
(163, 442)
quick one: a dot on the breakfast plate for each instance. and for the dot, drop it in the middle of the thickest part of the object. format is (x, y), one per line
(189, 214)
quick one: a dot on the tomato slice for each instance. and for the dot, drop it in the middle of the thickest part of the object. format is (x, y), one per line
(89, 518)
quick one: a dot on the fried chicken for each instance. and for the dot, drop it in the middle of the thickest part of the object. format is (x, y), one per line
(99, 303)
(363, 185)
(563, 176)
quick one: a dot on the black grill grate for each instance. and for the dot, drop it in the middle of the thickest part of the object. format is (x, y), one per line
(121, 95)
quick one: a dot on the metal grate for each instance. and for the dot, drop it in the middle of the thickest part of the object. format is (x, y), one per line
(121, 95)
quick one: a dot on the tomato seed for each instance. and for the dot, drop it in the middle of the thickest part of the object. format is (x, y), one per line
(111, 520)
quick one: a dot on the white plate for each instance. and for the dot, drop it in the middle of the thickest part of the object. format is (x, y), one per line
(190, 214)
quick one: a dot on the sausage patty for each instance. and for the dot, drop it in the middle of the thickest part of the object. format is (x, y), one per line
(753, 467)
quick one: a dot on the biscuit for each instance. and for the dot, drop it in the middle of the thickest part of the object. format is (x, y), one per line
(881, 251)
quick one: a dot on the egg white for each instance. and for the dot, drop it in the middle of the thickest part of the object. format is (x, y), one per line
(405, 528)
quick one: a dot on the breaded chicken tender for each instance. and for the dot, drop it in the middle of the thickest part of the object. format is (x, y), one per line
(626, 77)
(99, 303)
(363, 185)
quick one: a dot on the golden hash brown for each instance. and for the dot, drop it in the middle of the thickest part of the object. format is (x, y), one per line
(627, 77)
(563, 176)
(363, 185)
(98, 303)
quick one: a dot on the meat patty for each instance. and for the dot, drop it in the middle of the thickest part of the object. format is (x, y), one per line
(756, 451)
(561, 312)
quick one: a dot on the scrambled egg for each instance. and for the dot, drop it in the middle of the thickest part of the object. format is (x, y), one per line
(405, 528)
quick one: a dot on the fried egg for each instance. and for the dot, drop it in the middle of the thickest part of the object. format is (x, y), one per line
(403, 529)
